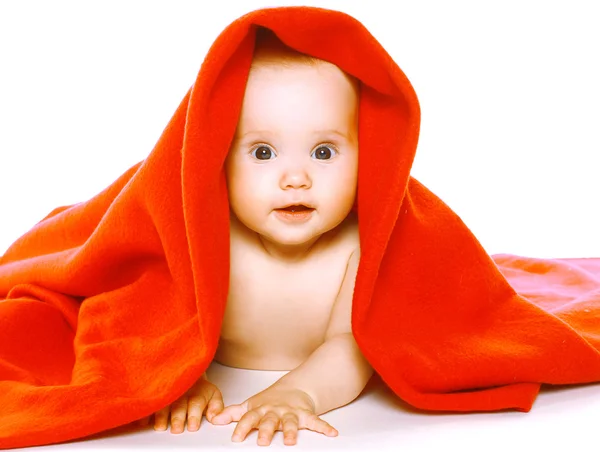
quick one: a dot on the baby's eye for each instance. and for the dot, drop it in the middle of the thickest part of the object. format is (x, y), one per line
(324, 152)
(263, 152)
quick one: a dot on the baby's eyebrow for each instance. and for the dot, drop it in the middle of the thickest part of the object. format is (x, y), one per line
(316, 132)
(331, 132)
(252, 132)
(256, 132)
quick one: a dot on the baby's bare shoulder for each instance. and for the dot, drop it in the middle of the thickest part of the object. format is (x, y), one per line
(349, 235)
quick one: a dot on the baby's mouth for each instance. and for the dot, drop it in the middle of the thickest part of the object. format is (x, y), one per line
(297, 213)
(295, 208)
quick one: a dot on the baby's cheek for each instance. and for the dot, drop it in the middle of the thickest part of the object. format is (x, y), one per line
(343, 190)
(250, 199)
(265, 189)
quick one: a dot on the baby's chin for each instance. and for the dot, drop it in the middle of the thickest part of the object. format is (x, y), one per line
(293, 244)
(299, 240)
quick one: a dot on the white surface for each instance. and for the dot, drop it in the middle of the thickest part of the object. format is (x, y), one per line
(510, 140)
(562, 419)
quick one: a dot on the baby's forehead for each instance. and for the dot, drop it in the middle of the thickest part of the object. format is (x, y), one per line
(280, 68)
(321, 89)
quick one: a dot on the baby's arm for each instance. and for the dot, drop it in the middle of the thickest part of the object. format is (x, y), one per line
(336, 372)
(332, 376)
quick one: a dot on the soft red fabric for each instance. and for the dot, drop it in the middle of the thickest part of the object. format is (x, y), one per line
(112, 307)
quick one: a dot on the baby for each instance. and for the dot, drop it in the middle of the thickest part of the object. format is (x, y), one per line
(292, 180)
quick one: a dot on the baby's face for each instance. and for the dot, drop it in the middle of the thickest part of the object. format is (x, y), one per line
(296, 143)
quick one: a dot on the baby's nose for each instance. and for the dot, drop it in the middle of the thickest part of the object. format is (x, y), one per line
(296, 178)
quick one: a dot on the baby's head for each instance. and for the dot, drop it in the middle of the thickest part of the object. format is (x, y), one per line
(296, 144)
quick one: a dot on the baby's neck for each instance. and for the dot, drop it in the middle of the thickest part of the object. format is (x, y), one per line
(290, 253)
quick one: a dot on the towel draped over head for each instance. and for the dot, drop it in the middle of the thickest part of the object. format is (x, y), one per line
(111, 308)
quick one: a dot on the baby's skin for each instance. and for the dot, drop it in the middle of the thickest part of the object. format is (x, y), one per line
(292, 179)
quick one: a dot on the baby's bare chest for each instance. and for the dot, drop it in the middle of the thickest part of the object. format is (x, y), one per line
(276, 316)
(269, 304)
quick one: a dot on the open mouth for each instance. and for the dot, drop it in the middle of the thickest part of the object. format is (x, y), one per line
(298, 213)
(296, 208)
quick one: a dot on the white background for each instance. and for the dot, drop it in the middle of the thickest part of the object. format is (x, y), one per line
(510, 140)
(509, 94)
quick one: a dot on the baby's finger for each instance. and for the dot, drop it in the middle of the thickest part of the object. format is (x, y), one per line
(161, 418)
(178, 414)
(267, 427)
(290, 428)
(316, 424)
(215, 406)
(196, 405)
(247, 422)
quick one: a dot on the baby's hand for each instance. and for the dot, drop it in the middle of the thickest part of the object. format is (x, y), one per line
(202, 396)
(285, 409)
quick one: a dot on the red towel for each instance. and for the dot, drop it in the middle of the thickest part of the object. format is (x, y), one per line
(112, 308)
